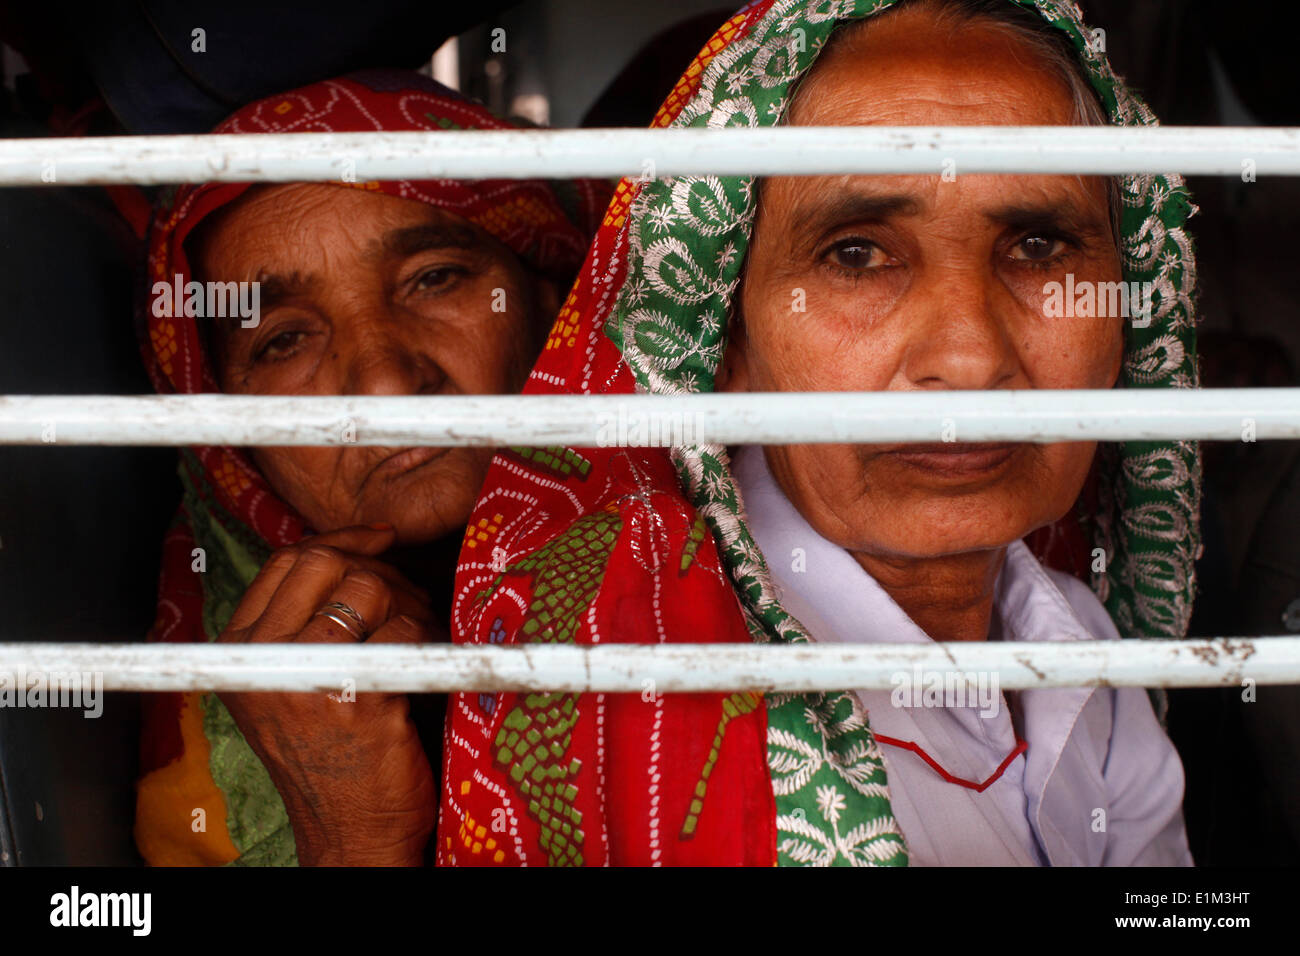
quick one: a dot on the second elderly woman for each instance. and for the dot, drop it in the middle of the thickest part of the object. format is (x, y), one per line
(392, 288)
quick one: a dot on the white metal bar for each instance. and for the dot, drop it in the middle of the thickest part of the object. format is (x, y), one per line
(805, 150)
(653, 420)
(671, 667)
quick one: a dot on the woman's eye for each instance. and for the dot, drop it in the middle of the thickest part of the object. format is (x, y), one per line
(1038, 248)
(435, 278)
(857, 254)
(280, 345)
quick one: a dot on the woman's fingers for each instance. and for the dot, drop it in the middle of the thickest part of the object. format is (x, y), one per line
(390, 574)
(297, 581)
(308, 585)
(277, 591)
(360, 544)
(264, 586)
(365, 593)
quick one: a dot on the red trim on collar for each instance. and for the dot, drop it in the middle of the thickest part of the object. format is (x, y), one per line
(1021, 747)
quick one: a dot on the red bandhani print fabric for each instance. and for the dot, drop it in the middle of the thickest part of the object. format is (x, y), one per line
(591, 546)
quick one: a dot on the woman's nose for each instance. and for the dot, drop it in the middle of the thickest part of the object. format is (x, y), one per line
(957, 337)
(385, 363)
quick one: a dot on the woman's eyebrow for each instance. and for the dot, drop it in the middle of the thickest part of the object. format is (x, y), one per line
(274, 289)
(1048, 215)
(412, 239)
(855, 207)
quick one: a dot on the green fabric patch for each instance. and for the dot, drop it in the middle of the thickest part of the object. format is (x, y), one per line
(256, 817)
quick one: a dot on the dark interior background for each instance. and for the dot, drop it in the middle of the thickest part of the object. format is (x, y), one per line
(80, 528)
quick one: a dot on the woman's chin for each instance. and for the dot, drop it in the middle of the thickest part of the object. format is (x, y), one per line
(925, 539)
(426, 502)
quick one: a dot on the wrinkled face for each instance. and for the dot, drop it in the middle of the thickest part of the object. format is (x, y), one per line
(914, 282)
(366, 294)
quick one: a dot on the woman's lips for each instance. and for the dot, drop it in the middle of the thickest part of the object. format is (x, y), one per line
(404, 460)
(956, 459)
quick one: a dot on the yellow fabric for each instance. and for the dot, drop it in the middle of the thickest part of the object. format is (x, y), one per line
(167, 798)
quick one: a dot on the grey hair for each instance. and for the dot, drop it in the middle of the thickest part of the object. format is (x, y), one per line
(1049, 45)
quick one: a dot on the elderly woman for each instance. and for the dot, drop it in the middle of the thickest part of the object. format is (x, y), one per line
(846, 283)
(394, 288)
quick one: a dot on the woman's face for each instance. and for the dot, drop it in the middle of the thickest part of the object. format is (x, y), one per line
(917, 282)
(363, 293)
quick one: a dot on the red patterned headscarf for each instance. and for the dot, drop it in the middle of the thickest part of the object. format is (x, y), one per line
(229, 508)
(547, 224)
(599, 546)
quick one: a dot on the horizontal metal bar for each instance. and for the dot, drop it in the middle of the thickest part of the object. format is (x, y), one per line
(653, 153)
(589, 421)
(663, 668)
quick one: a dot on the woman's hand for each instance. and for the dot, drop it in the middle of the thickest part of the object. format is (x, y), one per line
(354, 778)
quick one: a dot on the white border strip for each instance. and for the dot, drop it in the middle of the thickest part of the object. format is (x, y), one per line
(672, 668)
(587, 421)
(530, 154)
